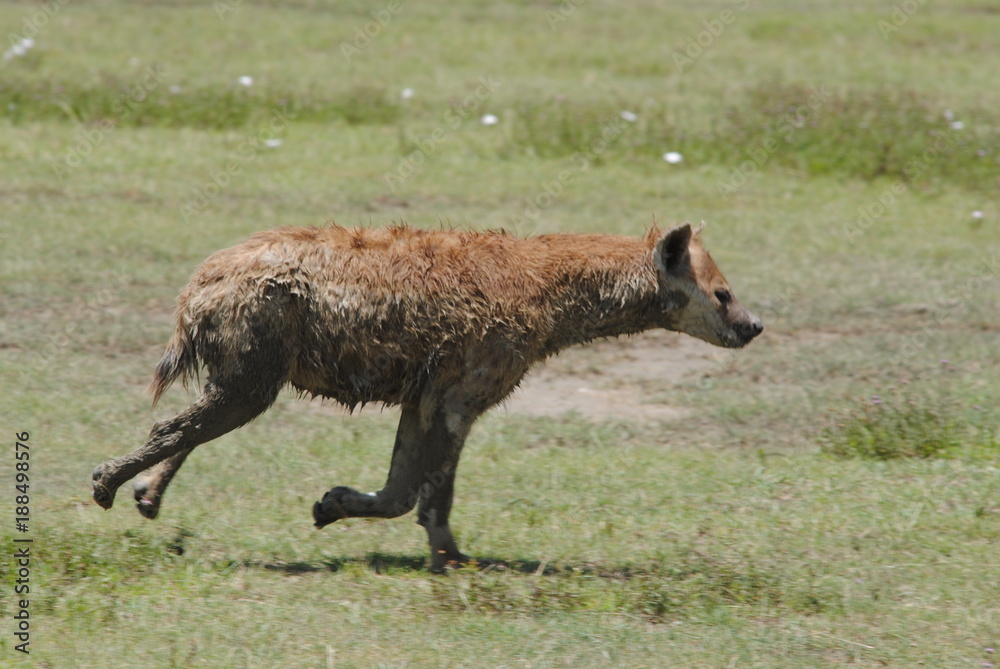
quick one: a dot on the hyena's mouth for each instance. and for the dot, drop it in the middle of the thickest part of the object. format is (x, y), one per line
(731, 340)
(744, 332)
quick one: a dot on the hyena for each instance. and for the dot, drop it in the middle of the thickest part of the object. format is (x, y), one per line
(444, 324)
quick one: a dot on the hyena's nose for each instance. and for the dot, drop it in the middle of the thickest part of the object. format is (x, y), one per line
(749, 329)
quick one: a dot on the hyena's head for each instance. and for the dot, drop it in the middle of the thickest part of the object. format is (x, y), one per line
(695, 297)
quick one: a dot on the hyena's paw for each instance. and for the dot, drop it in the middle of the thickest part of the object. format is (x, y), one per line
(104, 494)
(443, 561)
(147, 504)
(331, 508)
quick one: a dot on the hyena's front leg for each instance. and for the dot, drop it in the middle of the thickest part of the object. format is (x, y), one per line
(445, 439)
(148, 487)
(402, 487)
(424, 462)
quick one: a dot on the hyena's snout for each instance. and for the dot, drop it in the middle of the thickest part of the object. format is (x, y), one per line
(748, 329)
(745, 325)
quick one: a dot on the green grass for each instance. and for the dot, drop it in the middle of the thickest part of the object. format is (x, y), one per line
(852, 132)
(908, 423)
(783, 523)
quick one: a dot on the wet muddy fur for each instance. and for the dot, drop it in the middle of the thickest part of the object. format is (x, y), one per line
(444, 324)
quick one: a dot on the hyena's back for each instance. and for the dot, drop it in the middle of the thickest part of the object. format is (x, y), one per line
(363, 315)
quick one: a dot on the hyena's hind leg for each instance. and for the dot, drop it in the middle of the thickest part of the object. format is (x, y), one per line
(148, 487)
(247, 357)
(222, 407)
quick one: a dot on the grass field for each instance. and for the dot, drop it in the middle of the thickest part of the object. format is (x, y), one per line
(832, 495)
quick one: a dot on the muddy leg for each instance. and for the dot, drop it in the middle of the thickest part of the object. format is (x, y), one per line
(148, 487)
(402, 487)
(445, 440)
(217, 411)
(424, 462)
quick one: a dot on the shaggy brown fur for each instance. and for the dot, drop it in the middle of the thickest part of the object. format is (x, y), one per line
(443, 323)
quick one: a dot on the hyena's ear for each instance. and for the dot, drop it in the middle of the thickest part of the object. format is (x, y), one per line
(672, 251)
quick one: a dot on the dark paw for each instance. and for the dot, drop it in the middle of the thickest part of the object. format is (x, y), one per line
(447, 560)
(330, 509)
(104, 496)
(149, 508)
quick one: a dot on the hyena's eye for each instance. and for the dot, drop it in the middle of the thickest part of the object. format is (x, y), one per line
(723, 296)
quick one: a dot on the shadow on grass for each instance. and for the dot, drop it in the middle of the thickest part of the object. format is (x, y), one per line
(684, 585)
(384, 563)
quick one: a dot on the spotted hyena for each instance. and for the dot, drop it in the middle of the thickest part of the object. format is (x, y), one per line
(444, 324)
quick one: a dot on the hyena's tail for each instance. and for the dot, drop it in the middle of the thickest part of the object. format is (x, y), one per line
(179, 360)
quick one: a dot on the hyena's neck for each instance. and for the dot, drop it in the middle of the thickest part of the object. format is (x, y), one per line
(604, 296)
